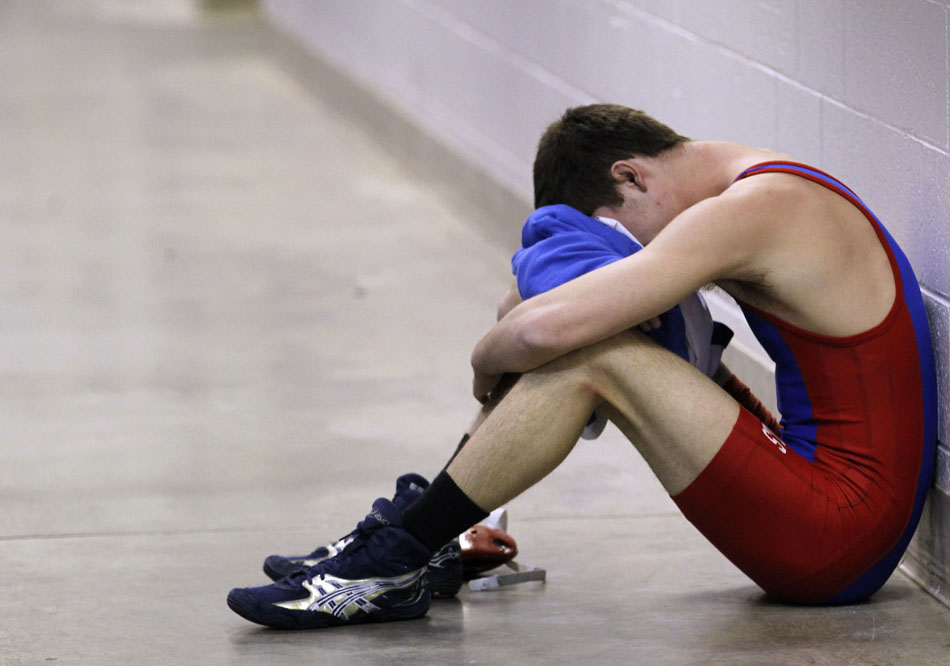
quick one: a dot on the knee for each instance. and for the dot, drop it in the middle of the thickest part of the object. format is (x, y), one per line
(592, 370)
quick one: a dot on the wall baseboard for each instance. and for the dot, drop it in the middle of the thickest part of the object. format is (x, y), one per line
(927, 560)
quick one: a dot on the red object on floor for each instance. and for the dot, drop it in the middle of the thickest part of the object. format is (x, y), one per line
(484, 548)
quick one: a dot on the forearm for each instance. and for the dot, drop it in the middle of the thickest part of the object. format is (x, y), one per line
(576, 314)
(550, 325)
(586, 310)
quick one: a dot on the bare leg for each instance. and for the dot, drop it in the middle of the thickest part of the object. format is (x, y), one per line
(504, 386)
(675, 416)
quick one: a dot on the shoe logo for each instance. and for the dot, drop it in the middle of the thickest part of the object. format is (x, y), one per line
(379, 516)
(449, 553)
(345, 599)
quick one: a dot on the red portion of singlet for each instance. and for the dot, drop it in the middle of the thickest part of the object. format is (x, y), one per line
(804, 530)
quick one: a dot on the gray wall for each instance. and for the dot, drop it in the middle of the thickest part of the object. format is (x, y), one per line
(859, 88)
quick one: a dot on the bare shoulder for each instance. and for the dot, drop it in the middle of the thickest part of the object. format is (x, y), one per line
(790, 214)
(734, 232)
(815, 259)
(765, 191)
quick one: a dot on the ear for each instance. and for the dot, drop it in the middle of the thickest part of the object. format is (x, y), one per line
(628, 172)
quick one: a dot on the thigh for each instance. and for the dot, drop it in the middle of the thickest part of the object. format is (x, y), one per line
(675, 416)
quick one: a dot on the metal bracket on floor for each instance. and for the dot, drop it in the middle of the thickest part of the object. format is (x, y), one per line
(520, 573)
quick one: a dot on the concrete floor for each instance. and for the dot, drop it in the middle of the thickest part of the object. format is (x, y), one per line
(229, 321)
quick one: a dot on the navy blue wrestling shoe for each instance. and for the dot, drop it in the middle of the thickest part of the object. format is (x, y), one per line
(380, 576)
(445, 568)
(445, 571)
(408, 489)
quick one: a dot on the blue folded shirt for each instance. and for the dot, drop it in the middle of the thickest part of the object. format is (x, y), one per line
(559, 243)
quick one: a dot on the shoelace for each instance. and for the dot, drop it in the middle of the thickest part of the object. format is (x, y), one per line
(296, 578)
(334, 548)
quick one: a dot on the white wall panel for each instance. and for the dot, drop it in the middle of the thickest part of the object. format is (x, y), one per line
(942, 470)
(465, 85)
(764, 31)
(798, 122)
(929, 221)
(669, 10)
(621, 52)
(708, 93)
(548, 37)
(902, 180)
(821, 57)
(896, 64)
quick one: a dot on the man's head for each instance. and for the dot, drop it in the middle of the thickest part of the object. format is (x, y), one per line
(575, 154)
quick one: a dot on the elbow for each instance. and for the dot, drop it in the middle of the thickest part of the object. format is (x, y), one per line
(531, 335)
(539, 337)
(518, 344)
(508, 303)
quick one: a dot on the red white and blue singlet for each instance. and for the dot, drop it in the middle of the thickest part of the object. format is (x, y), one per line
(822, 511)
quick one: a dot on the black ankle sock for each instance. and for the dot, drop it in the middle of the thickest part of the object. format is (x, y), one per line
(441, 514)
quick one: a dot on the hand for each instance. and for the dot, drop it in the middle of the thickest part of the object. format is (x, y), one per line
(483, 385)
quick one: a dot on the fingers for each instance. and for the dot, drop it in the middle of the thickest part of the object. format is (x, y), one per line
(650, 325)
(499, 386)
(483, 385)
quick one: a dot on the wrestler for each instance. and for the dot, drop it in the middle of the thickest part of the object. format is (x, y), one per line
(817, 509)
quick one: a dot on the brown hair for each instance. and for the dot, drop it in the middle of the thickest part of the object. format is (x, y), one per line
(572, 165)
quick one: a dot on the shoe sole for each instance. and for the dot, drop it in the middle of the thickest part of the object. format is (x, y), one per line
(269, 615)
